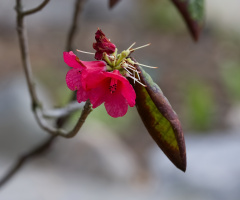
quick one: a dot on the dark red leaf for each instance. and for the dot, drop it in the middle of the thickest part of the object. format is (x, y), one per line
(193, 14)
(160, 120)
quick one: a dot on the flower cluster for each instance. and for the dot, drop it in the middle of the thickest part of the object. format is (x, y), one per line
(105, 80)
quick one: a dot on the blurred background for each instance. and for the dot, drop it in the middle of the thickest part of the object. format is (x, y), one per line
(116, 158)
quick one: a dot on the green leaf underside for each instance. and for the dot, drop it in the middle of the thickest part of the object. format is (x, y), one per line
(160, 120)
(193, 14)
(196, 9)
(161, 124)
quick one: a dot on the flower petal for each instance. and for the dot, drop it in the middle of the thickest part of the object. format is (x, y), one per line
(94, 66)
(116, 107)
(91, 73)
(98, 94)
(125, 87)
(117, 100)
(91, 80)
(115, 104)
(73, 79)
(82, 95)
(72, 60)
(129, 93)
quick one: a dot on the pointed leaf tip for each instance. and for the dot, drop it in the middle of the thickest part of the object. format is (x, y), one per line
(160, 120)
(193, 14)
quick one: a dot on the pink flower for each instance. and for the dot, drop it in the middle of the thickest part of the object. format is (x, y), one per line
(74, 75)
(112, 89)
(102, 45)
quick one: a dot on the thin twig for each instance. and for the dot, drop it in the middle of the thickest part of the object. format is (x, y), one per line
(35, 102)
(19, 163)
(69, 45)
(60, 132)
(22, 35)
(44, 146)
(38, 8)
(36, 106)
(63, 112)
(73, 28)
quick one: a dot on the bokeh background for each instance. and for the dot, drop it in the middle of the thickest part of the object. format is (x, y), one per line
(116, 158)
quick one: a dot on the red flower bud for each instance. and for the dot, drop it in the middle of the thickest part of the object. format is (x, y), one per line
(102, 45)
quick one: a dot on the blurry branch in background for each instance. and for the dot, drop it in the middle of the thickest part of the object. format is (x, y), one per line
(63, 113)
(112, 3)
(36, 105)
(69, 46)
(58, 131)
(74, 26)
(38, 8)
(21, 161)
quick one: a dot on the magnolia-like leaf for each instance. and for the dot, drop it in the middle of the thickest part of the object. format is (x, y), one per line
(112, 3)
(193, 14)
(160, 119)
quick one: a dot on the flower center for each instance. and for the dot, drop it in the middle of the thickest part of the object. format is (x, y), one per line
(113, 85)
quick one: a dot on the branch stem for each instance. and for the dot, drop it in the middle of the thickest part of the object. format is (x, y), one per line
(60, 132)
(21, 161)
(74, 26)
(36, 106)
(24, 49)
(22, 35)
(38, 8)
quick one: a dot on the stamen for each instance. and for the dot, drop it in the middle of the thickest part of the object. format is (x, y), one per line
(145, 65)
(131, 45)
(127, 70)
(134, 70)
(84, 51)
(131, 67)
(134, 78)
(138, 76)
(137, 81)
(140, 47)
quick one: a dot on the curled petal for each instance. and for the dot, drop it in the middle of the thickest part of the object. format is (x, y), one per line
(128, 92)
(102, 45)
(72, 60)
(94, 66)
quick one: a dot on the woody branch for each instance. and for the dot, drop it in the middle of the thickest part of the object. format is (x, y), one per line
(36, 105)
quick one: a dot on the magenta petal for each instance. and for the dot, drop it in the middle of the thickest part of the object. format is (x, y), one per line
(111, 88)
(82, 95)
(99, 94)
(94, 66)
(116, 107)
(73, 79)
(124, 86)
(72, 60)
(93, 80)
(129, 93)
